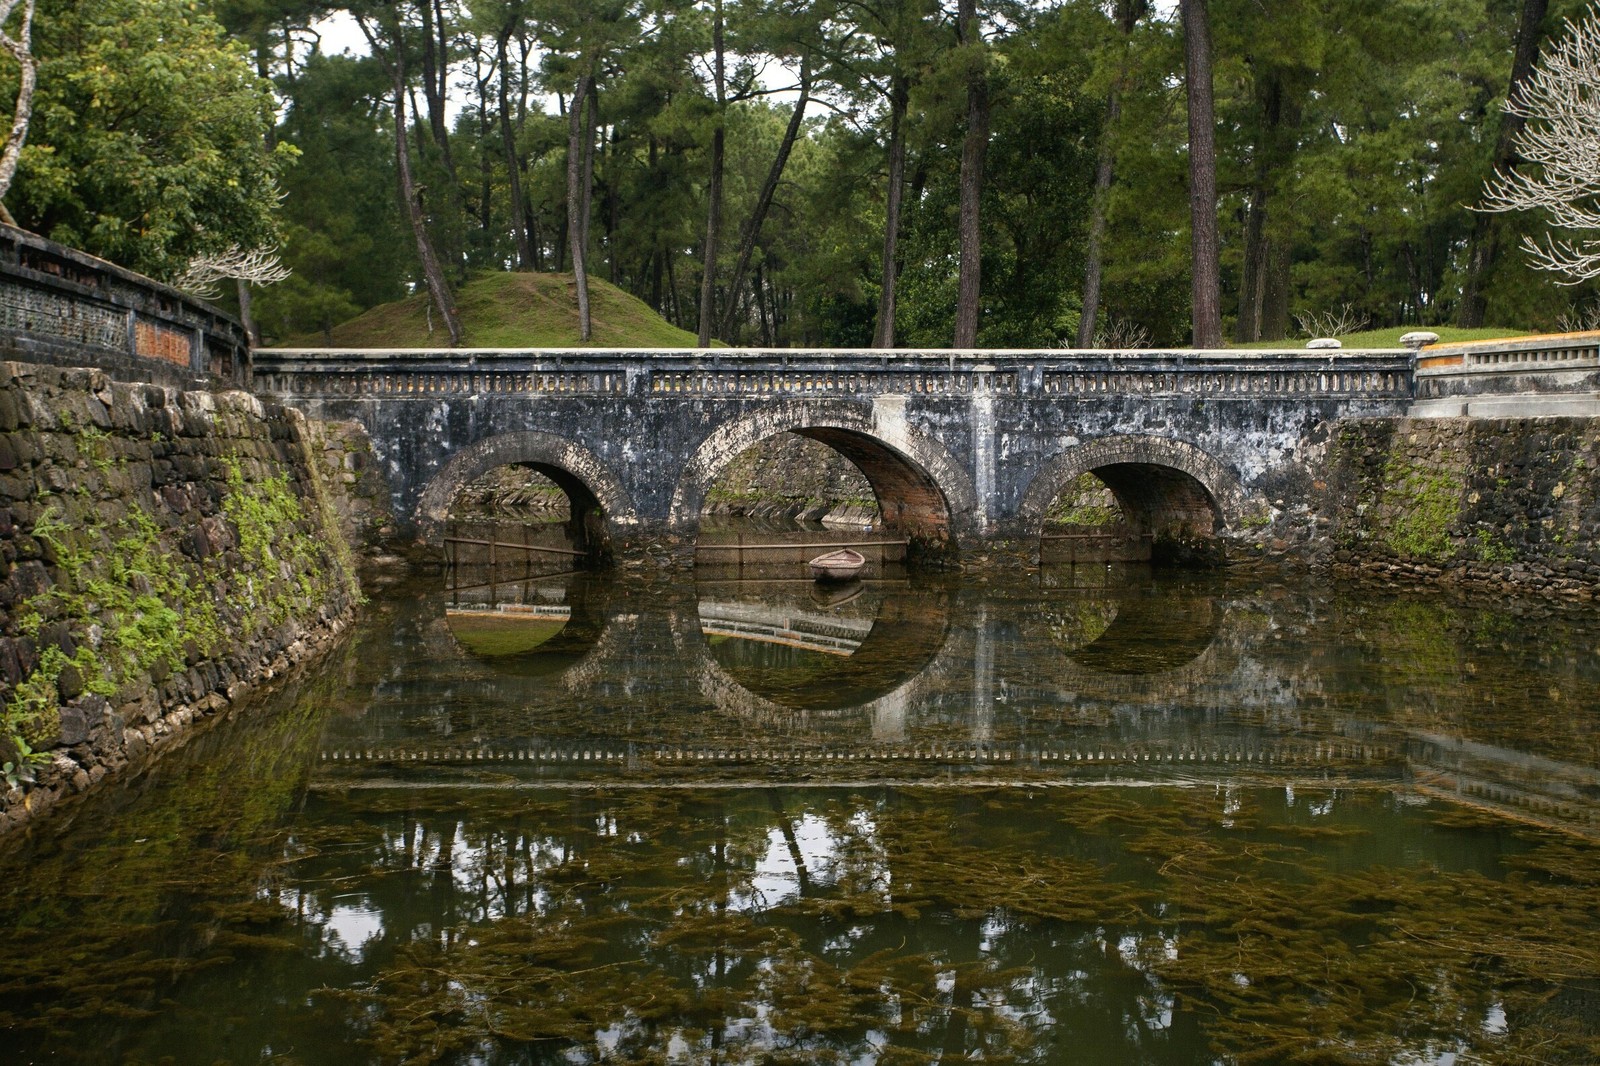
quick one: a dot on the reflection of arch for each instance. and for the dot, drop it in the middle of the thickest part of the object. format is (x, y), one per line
(894, 647)
(1151, 636)
(583, 625)
(586, 480)
(879, 680)
(1155, 647)
(1166, 487)
(920, 487)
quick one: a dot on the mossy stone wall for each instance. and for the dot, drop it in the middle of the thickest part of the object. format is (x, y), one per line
(161, 553)
(1504, 502)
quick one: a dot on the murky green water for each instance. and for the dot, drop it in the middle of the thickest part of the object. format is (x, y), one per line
(1086, 817)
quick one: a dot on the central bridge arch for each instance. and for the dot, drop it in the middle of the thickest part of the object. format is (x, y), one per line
(922, 490)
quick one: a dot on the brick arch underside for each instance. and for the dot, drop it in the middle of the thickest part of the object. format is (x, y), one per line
(1169, 488)
(578, 472)
(921, 490)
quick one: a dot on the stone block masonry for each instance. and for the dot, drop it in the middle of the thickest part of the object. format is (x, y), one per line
(161, 554)
(356, 480)
(1503, 504)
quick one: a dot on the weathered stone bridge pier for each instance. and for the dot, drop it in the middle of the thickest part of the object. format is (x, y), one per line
(962, 448)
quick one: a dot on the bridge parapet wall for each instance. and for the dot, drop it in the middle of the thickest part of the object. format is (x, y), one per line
(1517, 377)
(310, 372)
(63, 307)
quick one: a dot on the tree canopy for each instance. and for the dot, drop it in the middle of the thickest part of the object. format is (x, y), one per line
(147, 142)
(787, 173)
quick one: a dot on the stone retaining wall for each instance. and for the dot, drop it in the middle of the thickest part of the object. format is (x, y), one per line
(1501, 504)
(360, 492)
(161, 554)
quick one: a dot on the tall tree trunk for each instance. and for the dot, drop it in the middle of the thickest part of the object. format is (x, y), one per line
(578, 198)
(432, 271)
(767, 338)
(708, 278)
(21, 49)
(1128, 14)
(1268, 248)
(973, 150)
(485, 173)
(1275, 288)
(245, 317)
(676, 303)
(1205, 270)
(435, 73)
(899, 100)
(1094, 255)
(1484, 243)
(435, 91)
(520, 223)
(1248, 326)
(769, 188)
(591, 121)
(658, 253)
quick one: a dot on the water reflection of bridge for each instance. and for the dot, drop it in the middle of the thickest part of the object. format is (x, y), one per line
(917, 681)
(805, 630)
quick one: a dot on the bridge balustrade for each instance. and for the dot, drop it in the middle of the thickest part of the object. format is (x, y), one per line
(746, 372)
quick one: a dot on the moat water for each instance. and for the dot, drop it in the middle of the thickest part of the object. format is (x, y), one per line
(1091, 815)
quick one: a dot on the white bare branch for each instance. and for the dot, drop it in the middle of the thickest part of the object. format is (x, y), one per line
(258, 266)
(20, 48)
(1559, 143)
(1341, 322)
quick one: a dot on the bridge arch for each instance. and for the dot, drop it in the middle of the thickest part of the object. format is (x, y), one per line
(921, 489)
(581, 474)
(1170, 488)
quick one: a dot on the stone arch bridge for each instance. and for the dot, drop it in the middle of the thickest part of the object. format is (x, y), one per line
(962, 448)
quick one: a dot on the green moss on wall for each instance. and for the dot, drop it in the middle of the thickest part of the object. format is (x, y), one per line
(1420, 504)
(139, 591)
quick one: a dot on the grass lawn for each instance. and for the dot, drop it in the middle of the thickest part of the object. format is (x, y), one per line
(1390, 338)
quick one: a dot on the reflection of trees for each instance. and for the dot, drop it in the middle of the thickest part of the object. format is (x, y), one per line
(795, 926)
(937, 925)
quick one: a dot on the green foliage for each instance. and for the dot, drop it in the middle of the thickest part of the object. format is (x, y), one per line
(1352, 137)
(19, 771)
(133, 592)
(147, 142)
(1086, 502)
(342, 236)
(1491, 549)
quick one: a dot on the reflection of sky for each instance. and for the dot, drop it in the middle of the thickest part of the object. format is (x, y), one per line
(824, 851)
(349, 925)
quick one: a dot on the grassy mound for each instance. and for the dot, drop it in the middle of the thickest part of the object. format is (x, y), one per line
(503, 310)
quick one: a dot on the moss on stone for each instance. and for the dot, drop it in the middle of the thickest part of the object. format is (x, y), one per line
(143, 584)
(1420, 504)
